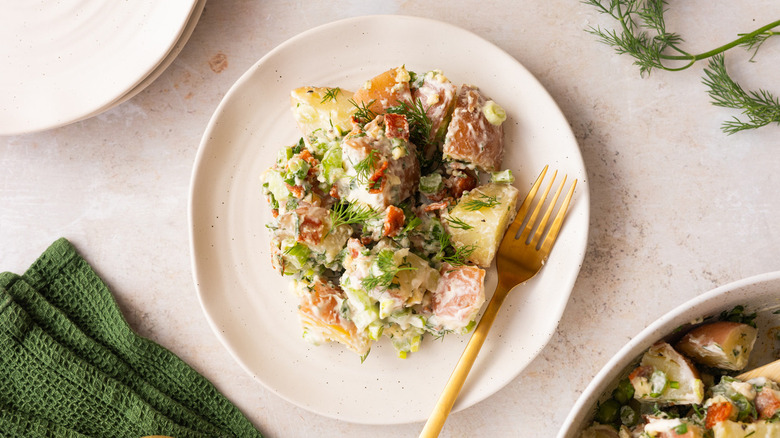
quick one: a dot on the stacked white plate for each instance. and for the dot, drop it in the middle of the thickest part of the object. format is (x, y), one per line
(69, 60)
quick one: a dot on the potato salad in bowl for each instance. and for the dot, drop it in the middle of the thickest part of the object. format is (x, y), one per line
(687, 385)
(389, 208)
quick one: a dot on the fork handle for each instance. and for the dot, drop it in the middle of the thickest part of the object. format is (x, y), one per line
(447, 399)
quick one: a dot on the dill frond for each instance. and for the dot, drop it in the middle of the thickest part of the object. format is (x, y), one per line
(456, 222)
(760, 107)
(363, 113)
(331, 94)
(345, 213)
(481, 202)
(385, 264)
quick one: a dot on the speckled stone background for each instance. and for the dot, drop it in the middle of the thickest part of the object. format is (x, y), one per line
(678, 207)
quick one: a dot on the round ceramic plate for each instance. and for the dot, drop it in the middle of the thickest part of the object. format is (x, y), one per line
(760, 294)
(248, 303)
(64, 60)
(163, 65)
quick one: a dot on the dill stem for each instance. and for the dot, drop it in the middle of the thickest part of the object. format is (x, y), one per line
(723, 48)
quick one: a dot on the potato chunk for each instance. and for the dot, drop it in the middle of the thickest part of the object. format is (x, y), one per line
(721, 344)
(385, 90)
(733, 429)
(475, 134)
(436, 94)
(322, 320)
(322, 114)
(458, 297)
(480, 219)
(666, 376)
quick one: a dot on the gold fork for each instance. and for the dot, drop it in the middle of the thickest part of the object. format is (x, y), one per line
(518, 259)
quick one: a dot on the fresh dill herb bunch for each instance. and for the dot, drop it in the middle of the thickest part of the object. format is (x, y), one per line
(760, 107)
(641, 33)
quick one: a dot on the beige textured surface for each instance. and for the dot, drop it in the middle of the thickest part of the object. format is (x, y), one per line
(677, 207)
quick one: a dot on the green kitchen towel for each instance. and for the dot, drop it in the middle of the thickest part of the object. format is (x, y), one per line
(70, 365)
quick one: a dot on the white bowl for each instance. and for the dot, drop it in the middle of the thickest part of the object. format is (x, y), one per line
(759, 294)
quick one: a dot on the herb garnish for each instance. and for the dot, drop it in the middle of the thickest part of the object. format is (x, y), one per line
(363, 113)
(481, 202)
(642, 35)
(420, 127)
(385, 263)
(456, 222)
(345, 213)
(737, 314)
(330, 94)
(420, 124)
(365, 168)
(449, 253)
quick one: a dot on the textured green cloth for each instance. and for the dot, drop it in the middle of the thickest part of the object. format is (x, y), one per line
(71, 366)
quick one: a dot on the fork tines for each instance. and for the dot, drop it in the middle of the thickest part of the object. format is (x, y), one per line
(543, 236)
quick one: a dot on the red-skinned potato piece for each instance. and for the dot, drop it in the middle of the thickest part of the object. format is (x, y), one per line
(385, 90)
(436, 94)
(723, 344)
(472, 137)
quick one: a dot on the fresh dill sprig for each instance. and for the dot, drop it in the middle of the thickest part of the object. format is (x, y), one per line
(456, 222)
(331, 94)
(460, 255)
(481, 202)
(420, 127)
(366, 167)
(420, 124)
(641, 33)
(345, 213)
(448, 252)
(363, 113)
(760, 107)
(385, 264)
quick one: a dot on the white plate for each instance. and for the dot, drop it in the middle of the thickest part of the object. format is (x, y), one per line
(759, 294)
(249, 305)
(62, 61)
(162, 66)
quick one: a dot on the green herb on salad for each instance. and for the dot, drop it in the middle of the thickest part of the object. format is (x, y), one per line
(363, 113)
(456, 222)
(366, 167)
(385, 264)
(480, 203)
(345, 213)
(420, 124)
(330, 94)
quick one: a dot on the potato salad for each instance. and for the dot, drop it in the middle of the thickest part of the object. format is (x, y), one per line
(686, 389)
(389, 208)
